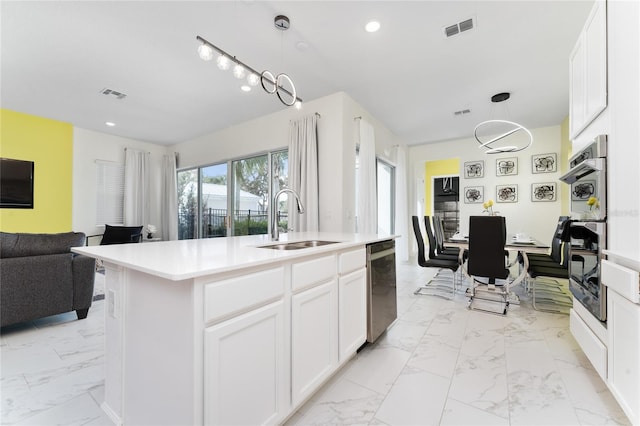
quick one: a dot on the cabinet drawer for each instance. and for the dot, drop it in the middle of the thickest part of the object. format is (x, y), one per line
(623, 280)
(233, 296)
(352, 260)
(305, 274)
(592, 347)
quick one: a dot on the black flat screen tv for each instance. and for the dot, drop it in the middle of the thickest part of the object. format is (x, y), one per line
(16, 184)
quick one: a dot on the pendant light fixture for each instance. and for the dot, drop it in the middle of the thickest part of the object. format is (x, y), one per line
(282, 85)
(499, 136)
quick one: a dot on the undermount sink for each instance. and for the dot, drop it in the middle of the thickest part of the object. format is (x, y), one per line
(297, 245)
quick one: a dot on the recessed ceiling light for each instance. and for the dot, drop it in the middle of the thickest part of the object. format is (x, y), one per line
(110, 123)
(245, 88)
(372, 26)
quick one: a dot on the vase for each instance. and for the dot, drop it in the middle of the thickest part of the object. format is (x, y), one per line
(149, 235)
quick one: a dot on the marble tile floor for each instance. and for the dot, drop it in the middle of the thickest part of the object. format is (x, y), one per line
(438, 364)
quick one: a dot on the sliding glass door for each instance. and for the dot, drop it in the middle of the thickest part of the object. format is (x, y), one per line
(231, 198)
(213, 199)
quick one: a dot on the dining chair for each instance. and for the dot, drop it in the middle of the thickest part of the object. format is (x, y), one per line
(486, 263)
(440, 287)
(433, 244)
(438, 230)
(548, 284)
(114, 234)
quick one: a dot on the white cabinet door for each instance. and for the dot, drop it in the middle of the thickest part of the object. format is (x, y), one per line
(245, 381)
(314, 338)
(588, 68)
(577, 88)
(352, 294)
(623, 319)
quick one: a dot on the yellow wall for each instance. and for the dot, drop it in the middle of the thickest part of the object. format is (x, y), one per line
(450, 166)
(49, 144)
(565, 154)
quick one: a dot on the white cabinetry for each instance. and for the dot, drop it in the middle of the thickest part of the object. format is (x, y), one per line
(244, 352)
(588, 71)
(352, 290)
(624, 353)
(244, 369)
(314, 338)
(314, 325)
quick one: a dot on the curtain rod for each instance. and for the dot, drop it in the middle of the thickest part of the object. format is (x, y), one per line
(357, 118)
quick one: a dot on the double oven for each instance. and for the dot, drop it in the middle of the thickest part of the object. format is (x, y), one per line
(587, 231)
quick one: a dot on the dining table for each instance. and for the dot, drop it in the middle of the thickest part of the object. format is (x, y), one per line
(523, 246)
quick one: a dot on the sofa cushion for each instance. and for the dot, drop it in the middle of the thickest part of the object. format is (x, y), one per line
(20, 245)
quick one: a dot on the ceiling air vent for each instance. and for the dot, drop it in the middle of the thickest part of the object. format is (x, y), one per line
(452, 30)
(462, 112)
(462, 26)
(110, 92)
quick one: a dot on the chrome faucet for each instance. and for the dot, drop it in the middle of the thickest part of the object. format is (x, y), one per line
(275, 232)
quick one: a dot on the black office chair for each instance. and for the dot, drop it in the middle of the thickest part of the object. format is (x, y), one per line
(436, 286)
(114, 234)
(487, 265)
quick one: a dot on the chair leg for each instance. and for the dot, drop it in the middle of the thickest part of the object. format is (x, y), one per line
(82, 313)
(552, 294)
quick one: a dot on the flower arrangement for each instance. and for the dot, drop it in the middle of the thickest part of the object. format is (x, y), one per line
(593, 202)
(150, 231)
(488, 207)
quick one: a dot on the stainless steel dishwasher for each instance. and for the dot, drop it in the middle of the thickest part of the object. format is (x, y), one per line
(381, 288)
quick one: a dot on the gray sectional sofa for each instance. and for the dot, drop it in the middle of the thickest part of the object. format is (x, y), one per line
(39, 276)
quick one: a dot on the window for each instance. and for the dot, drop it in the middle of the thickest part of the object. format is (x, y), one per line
(109, 193)
(231, 198)
(385, 182)
(385, 194)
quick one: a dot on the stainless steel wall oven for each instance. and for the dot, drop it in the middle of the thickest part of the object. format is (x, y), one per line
(587, 231)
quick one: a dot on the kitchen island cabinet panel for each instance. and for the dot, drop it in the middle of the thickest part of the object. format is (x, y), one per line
(314, 338)
(352, 313)
(244, 369)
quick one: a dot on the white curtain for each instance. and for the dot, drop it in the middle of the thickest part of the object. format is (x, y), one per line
(136, 187)
(303, 172)
(367, 201)
(402, 228)
(169, 198)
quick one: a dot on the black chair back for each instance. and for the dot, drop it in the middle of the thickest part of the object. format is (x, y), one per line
(121, 235)
(420, 240)
(487, 237)
(430, 237)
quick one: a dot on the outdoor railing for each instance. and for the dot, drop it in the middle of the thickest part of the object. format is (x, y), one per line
(245, 222)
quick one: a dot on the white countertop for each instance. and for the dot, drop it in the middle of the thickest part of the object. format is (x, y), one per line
(179, 260)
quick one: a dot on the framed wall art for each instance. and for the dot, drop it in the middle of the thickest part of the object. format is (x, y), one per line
(545, 191)
(544, 163)
(582, 190)
(474, 169)
(507, 193)
(474, 194)
(507, 166)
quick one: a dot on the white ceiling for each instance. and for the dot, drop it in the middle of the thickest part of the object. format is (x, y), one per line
(57, 57)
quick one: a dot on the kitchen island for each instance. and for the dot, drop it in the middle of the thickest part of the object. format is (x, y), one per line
(226, 331)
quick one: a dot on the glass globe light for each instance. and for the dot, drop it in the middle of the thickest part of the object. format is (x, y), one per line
(205, 51)
(238, 71)
(253, 79)
(223, 62)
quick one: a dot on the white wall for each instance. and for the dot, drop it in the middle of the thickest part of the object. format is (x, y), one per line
(89, 146)
(336, 150)
(538, 219)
